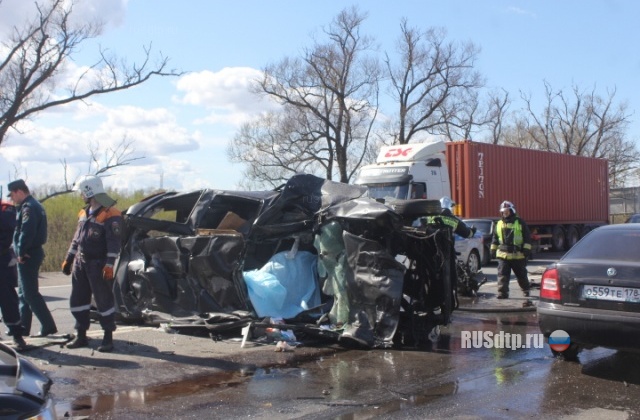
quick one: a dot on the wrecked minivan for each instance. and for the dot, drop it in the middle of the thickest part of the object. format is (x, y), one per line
(319, 255)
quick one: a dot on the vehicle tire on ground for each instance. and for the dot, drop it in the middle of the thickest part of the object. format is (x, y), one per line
(573, 236)
(558, 239)
(473, 261)
(136, 298)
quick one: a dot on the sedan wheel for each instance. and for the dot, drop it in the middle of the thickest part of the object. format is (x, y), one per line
(473, 262)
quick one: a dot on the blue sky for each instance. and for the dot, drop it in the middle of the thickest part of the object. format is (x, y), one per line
(181, 126)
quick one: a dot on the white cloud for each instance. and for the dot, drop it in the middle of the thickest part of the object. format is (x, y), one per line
(154, 134)
(18, 12)
(225, 93)
(523, 12)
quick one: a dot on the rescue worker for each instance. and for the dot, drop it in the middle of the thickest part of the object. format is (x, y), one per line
(9, 303)
(28, 238)
(90, 260)
(511, 245)
(448, 219)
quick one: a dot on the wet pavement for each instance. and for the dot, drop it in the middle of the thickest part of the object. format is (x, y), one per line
(153, 365)
(487, 300)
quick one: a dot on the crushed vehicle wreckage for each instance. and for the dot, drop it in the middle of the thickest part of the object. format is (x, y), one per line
(321, 256)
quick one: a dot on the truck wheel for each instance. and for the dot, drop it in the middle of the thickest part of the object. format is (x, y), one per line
(415, 208)
(558, 238)
(573, 236)
(585, 229)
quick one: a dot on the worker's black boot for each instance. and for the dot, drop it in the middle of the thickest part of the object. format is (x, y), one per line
(107, 342)
(80, 340)
(19, 342)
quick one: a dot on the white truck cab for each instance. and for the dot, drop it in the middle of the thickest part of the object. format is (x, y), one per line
(408, 171)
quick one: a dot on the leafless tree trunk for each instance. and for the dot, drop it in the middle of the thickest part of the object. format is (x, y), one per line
(497, 111)
(582, 124)
(434, 85)
(329, 99)
(36, 55)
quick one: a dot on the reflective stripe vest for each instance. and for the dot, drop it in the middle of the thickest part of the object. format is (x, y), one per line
(510, 249)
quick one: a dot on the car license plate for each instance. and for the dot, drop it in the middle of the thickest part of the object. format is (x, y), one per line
(611, 293)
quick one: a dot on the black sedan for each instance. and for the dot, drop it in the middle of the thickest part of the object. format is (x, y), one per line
(24, 390)
(592, 294)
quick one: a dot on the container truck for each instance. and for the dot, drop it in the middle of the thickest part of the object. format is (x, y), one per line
(560, 196)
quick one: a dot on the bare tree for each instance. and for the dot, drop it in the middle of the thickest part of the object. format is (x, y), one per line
(274, 149)
(36, 55)
(434, 84)
(584, 124)
(100, 162)
(499, 103)
(329, 97)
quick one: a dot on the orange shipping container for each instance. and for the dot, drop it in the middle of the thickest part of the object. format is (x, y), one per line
(546, 188)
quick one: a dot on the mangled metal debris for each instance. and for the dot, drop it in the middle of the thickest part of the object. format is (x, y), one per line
(329, 261)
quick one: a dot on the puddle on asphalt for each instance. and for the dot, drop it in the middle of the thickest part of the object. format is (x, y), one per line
(400, 404)
(340, 375)
(136, 398)
(263, 384)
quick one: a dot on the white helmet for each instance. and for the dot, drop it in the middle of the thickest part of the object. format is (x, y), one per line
(447, 203)
(507, 205)
(89, 186)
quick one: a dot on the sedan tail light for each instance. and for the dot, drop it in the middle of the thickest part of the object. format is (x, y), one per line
(550, 284)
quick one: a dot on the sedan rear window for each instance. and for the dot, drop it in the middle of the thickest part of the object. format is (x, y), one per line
(484, 227)
(607, 244)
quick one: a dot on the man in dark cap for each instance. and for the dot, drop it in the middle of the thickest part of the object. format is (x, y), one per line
(9, 275)
(29, 237)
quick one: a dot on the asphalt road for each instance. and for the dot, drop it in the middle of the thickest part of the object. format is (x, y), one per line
(144, 357)
(158, 375)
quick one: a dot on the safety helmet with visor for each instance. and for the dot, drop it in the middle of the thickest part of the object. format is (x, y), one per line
(447, 203)
(90, 186)
(507, 205)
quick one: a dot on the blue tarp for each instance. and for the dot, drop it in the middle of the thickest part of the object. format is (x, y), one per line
(285, 286)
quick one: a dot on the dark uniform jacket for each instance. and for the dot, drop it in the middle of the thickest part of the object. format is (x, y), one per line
(7, 227)
(97, 235)
(31, 227)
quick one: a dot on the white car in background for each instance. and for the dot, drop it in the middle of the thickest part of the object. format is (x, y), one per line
(470, 251)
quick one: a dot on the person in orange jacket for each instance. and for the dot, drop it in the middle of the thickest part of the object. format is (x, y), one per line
(90, 261)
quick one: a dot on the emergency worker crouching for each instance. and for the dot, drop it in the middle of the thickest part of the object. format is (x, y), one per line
(511, 245)
(90, 261)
